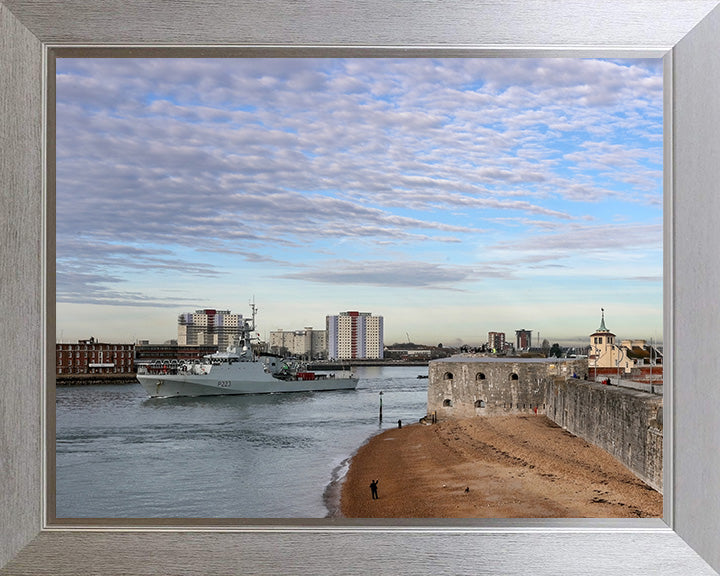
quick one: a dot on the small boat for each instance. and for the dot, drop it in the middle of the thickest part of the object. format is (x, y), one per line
(238, 370)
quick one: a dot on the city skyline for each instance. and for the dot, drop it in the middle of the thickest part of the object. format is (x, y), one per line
(453, 197)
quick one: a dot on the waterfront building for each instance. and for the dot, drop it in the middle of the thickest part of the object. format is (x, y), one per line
(523, 339)
(209, 327)
(604, 352)
(306, 343)
(353, 335)
(415, 352)
(606, 355)
(496, 342)
(146, 353)
(92, 357)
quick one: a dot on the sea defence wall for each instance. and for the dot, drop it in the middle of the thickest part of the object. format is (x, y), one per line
(92, 379)
(626, 423)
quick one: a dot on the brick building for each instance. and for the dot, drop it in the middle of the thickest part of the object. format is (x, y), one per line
(523, 339)
(92, 357)
(148, 353)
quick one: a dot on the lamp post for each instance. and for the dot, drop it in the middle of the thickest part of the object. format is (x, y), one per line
(618, 360)
(652, 349)
(596, 354)
(381, 395)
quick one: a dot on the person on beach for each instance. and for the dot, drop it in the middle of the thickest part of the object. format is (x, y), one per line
(373, 489)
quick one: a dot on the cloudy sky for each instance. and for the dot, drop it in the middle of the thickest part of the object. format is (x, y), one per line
(453, 197)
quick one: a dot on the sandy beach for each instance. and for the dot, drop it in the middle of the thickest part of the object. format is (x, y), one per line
(496, 467)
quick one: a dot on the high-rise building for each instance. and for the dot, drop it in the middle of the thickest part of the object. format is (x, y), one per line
(308, 343)
(354, 335)
(209, 327)
(523, 339)
(496, 341)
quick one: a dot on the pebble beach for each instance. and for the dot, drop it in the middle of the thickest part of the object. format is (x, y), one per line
(496, 467)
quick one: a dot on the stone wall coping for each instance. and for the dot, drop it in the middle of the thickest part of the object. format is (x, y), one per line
(503, 360)
(613, 389)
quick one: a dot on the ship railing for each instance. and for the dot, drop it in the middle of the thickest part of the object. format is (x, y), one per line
(341, 374)
(173, 367)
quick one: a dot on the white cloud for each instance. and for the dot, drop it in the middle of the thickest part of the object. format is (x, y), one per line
(194, 166)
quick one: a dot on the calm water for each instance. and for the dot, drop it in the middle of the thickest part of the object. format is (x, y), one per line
(122, 454)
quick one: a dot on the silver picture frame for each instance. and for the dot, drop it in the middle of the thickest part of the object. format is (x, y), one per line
(686, 33)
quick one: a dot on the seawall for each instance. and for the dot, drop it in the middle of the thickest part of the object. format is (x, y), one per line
(88, 379)
(626, 423)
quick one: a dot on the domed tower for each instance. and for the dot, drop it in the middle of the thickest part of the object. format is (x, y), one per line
(602, 345)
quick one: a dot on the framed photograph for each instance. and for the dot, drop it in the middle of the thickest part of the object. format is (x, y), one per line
(447, 196)
(683, 33)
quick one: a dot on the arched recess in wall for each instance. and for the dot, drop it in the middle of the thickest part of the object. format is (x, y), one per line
(479, 376)
(448, 376)
(479, 403)
(513, 376)
(447, 403)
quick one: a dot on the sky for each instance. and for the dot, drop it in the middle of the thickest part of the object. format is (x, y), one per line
(453, 197)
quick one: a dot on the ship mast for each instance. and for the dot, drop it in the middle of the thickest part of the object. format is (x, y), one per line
(254, 312)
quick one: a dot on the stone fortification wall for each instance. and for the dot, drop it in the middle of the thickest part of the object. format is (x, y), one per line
(461, 387)
(626, 423)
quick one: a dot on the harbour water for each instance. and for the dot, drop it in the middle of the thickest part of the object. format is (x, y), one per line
(121, 454)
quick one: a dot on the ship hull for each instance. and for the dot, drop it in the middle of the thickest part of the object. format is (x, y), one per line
(249, 379)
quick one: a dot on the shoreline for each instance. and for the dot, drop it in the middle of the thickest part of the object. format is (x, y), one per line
(333, 491)
(520, 466)
(95, 379)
